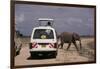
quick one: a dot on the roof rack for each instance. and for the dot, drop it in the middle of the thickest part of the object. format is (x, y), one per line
(45, 19)
(49, 21)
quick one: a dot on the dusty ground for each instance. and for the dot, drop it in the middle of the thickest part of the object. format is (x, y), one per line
(64, 56)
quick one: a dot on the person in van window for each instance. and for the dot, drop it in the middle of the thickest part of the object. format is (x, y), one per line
(49, 24)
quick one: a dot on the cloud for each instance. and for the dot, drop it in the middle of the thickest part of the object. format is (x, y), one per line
(19, 18)
(70, 20)
(74, 21)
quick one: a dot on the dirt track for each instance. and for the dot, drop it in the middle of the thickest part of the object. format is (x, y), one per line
(64, 56)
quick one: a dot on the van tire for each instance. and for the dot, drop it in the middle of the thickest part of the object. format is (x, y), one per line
(54, 54)
(17, 53)
(32, 54)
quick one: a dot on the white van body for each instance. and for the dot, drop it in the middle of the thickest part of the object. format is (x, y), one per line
(41, 43)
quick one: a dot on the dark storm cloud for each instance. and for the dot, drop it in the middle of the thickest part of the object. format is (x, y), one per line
(71, 19)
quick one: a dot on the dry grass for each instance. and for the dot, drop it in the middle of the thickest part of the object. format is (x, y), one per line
(88, 51)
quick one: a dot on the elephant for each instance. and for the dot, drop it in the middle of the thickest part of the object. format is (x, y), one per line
(67, 37)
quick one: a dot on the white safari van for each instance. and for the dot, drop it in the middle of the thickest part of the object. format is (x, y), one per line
(43, 40)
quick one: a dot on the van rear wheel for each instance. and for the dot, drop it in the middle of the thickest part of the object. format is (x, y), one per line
(54, 54)
(32, 54)
(17, 53)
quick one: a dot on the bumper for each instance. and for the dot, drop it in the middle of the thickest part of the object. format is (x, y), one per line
(45, 50)
(44, 53)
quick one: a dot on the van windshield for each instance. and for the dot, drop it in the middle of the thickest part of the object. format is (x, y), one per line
(43, 34)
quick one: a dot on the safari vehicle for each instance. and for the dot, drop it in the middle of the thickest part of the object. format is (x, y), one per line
(43, 39)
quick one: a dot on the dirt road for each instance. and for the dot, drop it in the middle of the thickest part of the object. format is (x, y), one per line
(64, 56)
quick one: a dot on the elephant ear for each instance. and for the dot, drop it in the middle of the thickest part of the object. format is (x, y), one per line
(73, 36)
(76, 36)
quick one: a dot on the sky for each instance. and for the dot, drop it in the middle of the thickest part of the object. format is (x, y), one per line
(66, 19)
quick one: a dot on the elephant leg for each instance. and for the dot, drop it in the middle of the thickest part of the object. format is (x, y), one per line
(68, 45)
(80, 45)
(62, 45)
(74, 42)
(59, 45)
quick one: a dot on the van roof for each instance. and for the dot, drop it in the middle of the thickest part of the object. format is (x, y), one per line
(45, 19)
(44, 27)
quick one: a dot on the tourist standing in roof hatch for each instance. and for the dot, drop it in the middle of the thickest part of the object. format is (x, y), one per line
(48, 24)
